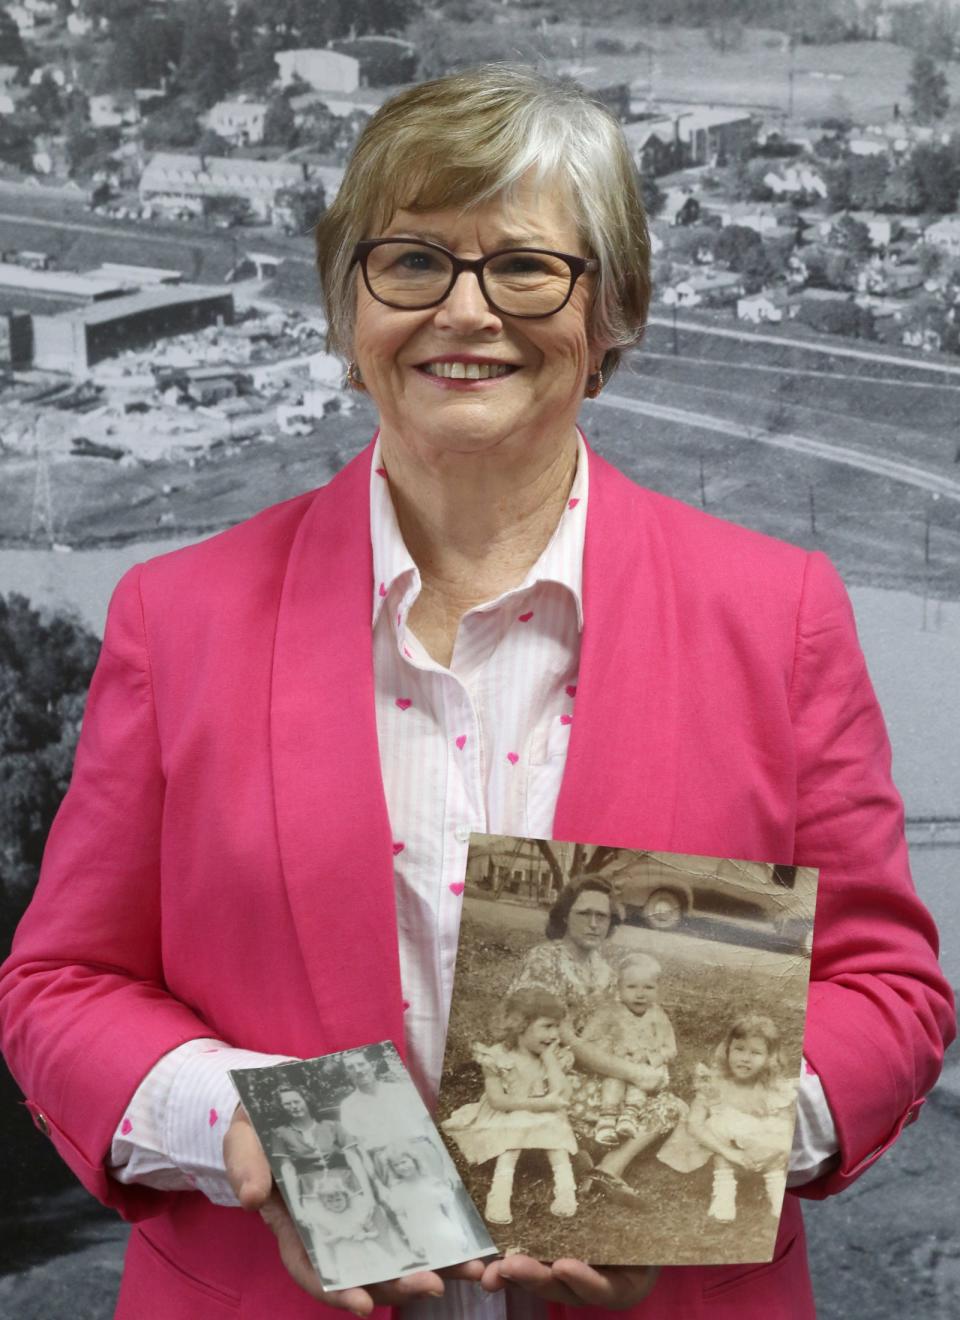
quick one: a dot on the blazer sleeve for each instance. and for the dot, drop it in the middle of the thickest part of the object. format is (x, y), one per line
(880, 1011)
(84, 1013)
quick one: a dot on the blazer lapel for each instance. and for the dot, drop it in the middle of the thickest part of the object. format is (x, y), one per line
(620, 782)
(332, 823)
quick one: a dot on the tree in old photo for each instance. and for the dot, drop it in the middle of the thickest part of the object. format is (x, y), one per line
(927, 90)
(45, 667)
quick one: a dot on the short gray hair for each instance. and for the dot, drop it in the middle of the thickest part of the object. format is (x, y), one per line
(466, 138)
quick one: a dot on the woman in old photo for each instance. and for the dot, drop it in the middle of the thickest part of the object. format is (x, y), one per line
(308, 1149)
(477, 625)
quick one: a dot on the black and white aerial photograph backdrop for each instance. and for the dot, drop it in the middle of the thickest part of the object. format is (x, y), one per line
(164, 374)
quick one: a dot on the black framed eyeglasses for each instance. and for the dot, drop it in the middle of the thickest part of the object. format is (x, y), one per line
(413, 275)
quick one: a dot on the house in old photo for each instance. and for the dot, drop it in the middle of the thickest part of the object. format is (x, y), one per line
(680, 207)
(654, 145)
(323, 70)
(769, 306)
(238, 121)
(889, 278)
(709, 288)
(712, 135)
(693, 135)
(796, 181)
(177, 183)
(113, 109)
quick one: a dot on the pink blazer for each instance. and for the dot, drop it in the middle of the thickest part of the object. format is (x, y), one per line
(222, 863)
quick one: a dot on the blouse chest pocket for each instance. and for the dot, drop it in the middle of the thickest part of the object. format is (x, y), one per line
(551, 740)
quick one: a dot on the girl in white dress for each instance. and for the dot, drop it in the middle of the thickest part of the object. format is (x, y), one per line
(424, 1204)
(524, 1103)
(742, 1117)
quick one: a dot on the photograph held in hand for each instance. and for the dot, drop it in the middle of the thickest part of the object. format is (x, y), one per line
(361, 1167)
(623, 1061)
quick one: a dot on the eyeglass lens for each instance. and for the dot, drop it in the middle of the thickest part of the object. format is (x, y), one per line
(525, 283)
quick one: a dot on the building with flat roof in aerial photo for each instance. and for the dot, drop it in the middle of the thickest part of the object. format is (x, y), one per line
(73, 340)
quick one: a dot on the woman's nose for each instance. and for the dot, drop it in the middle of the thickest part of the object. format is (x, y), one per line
(465, 305)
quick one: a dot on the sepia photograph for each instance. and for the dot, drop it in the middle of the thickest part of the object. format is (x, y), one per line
(628, 1027)
(361, 1167)
(189, 192)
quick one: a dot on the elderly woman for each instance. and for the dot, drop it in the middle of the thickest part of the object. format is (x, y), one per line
(478, 624)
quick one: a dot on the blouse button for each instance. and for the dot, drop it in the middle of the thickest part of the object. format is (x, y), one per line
(41, 1123)
(462, 833)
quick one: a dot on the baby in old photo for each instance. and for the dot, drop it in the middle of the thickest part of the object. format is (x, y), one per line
(526, 1091)
(634, 1027)
(742, 1116)
(348, 1230)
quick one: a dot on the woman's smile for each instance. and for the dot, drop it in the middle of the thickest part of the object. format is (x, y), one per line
(466, 371)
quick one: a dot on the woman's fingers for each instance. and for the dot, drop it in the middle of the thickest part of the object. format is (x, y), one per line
(397, 1292)
(247, 1166)
(471, 1270)
(572, 1282)
(615, 1288)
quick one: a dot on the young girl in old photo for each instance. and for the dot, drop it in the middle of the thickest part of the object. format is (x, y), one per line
(524, 1104)
(634, 1027)
(423, 1203)
(741, 1117)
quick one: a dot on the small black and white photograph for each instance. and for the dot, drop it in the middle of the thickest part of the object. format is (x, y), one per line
(361, 1167)
(624, 1049)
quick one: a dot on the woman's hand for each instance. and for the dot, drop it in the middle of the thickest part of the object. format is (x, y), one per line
(252, 1182)
(572, 1282)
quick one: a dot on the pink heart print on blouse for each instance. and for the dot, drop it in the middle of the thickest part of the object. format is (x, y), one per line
(566, 719)
(398, 848)
(383, 590)
(212, 1118)
(406, 1005)
(525, 618)
(462, 741)
(403, 703)
(381, 472)
(457, 888)
(571, 689)
(126, 1126)
(513, 758)
(572, 504)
